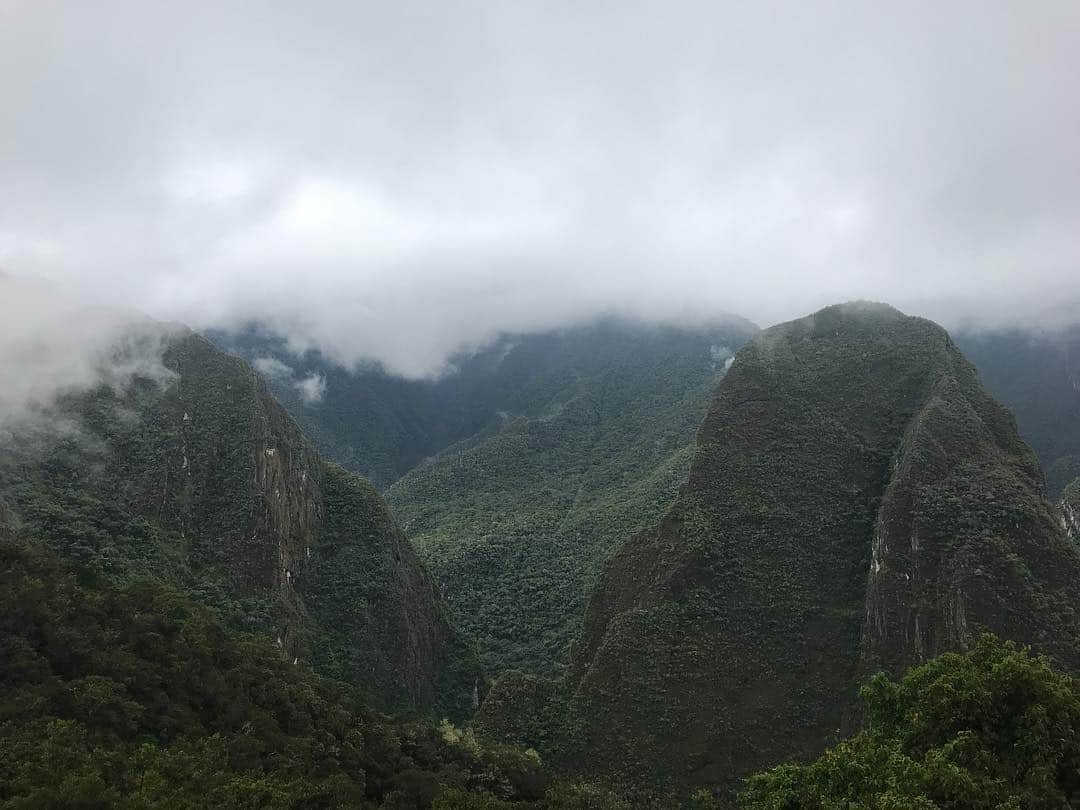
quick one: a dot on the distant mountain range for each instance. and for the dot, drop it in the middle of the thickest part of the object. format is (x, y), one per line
(518, 472)
(516, 522)
(579, 437)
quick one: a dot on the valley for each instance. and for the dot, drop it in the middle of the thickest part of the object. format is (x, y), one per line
(539, 405)
(664, 560)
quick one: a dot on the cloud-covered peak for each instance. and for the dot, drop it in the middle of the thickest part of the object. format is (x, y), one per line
(52, 344)
(401, 181)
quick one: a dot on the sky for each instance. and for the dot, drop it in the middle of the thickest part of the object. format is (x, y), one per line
(399, 181)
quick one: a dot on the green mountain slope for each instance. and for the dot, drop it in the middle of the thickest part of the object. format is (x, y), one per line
(135, 696)
(381, 425)
(856, 501)
(369, 421)
(1037, 375)
(205, 482)
(516, 522)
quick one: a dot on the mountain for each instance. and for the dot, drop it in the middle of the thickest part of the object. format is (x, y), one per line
(382, 425)
(368, 420)
(1036, 373)
(202, 480)
(516, 522)
(856, 502)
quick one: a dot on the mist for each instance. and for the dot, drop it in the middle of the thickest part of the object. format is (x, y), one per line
(53, 344)
(401, 182)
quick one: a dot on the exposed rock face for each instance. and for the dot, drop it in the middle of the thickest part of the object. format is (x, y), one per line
(206, 481)
(1070, 510)
(856, 502)
(237, 479)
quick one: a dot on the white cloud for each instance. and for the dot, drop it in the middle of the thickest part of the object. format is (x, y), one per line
(398, 181)
(52, 343)
(311, 388)
(272, 368)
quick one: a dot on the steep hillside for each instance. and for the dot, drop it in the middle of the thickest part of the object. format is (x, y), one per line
(516, 522)
(856, 502)
(1037, 375)
(204, 481)
(367, 420)
(135, 696)
(381, 425)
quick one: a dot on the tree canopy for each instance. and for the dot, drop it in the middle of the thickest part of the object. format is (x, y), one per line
(994, 727)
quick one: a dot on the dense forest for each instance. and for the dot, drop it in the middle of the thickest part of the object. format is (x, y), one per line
(856, 502)
(651, 566)
(1036, 373)
(511, 405)
(518, 472)
(135, 696)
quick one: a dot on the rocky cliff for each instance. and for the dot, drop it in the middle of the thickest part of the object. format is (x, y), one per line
(1070, 510)
(204, 480)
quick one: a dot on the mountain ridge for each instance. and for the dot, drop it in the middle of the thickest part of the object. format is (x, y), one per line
(516, 521)
(823, 532)
(381, 425)
(206, 482)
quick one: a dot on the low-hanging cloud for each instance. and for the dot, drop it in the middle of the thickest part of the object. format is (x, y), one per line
(53, 344)
(272, 368)
(311, 388)
(400, 181)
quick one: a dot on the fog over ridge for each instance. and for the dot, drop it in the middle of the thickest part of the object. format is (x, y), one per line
(53, 343)
(400, 182)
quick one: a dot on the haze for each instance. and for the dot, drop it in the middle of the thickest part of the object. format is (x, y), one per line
(397, 181)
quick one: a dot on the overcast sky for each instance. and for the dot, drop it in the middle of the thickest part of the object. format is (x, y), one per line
(397, 180)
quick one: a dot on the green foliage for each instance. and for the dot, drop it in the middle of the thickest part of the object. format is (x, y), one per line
(1036, 374)
(205, 483)
(161, 480)
(995, 727)
(856, 500)
(515, 523)
(374, 604)
(561, 795)
(134, 696)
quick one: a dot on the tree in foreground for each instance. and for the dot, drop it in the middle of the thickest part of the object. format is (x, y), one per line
(994, 727)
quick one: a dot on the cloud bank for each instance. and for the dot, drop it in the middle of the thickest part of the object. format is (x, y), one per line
(311, 388)
(400, 181)
(52, 344)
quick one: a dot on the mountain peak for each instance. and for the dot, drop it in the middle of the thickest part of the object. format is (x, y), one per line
(856, 501)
